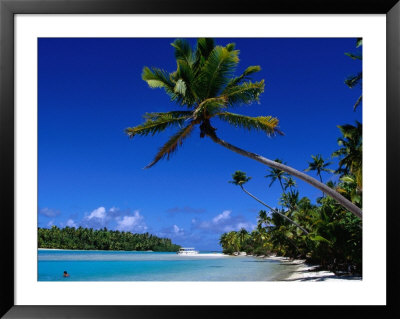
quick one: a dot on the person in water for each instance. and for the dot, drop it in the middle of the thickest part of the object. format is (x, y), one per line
(66, 274)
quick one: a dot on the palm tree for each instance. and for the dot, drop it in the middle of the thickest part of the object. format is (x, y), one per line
(289, 183)
(233, 240)
(319, 165)
(290, 199)
(350, 152)
(240, 178)
(223, 241)
(277, 174)
(263, 219)
(259, 236)
(242, 236)
(204, 84)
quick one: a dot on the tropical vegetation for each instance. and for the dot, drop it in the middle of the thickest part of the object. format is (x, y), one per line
(333, 237)
(205, 86)
(101, 239)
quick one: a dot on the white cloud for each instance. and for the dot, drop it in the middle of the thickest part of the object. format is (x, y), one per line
(131, 223)
(71, 223)
(97, 213)
(50, 223)
(222, 217)
(223, 222)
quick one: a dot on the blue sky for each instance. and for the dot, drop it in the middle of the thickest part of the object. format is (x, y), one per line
(91, 174)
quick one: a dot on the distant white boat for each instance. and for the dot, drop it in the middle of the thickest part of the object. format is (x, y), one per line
(187, 251)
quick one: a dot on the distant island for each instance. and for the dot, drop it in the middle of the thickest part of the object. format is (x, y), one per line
(101, 239)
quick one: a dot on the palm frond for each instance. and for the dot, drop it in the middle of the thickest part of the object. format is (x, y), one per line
(359, 100)
(230, 46)
(157, 78)
(203, 49)
(245, 93)
(185, 74)
(183, 51)
(216, 72)
(210, 106)
(267, 124)
(243, 76)
(353, 80)
(172, 144)
(156, 125)
(354, 56)
(173, 114)
(180, 87)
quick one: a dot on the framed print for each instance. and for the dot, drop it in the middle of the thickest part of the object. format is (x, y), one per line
(248, 121)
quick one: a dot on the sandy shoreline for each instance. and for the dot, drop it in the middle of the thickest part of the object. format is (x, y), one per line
(307, 272)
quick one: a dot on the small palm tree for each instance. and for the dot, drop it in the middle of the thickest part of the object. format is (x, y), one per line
(223, 241)
(289, 183)
(232, 240)
(259, 236)
(242, 236)
(263, 219)
(240, 178)
(290, 199)
(204, 83)
(277, 174)
(319, 165)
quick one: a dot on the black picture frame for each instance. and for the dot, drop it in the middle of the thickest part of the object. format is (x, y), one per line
(8, 8)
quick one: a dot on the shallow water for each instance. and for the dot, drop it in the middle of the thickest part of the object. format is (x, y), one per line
(155, 266)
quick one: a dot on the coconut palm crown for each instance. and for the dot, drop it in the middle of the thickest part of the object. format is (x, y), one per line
(239, 178)
(277, 174)
(289, 183)
(319, 165)
(204, 84)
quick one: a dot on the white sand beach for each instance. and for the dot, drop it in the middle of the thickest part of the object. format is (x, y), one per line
(306, 272)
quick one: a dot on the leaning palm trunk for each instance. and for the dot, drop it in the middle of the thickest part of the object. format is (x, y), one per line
(320, 178)
(312, 181)
(203, 83)
(273, 210)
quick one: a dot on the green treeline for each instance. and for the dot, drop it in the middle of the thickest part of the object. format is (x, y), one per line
(323, 233)
(102, 239)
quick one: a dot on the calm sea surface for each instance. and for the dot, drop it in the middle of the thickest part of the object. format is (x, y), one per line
(155, 266)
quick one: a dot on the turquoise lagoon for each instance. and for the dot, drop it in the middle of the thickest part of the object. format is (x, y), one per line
(155, 266)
